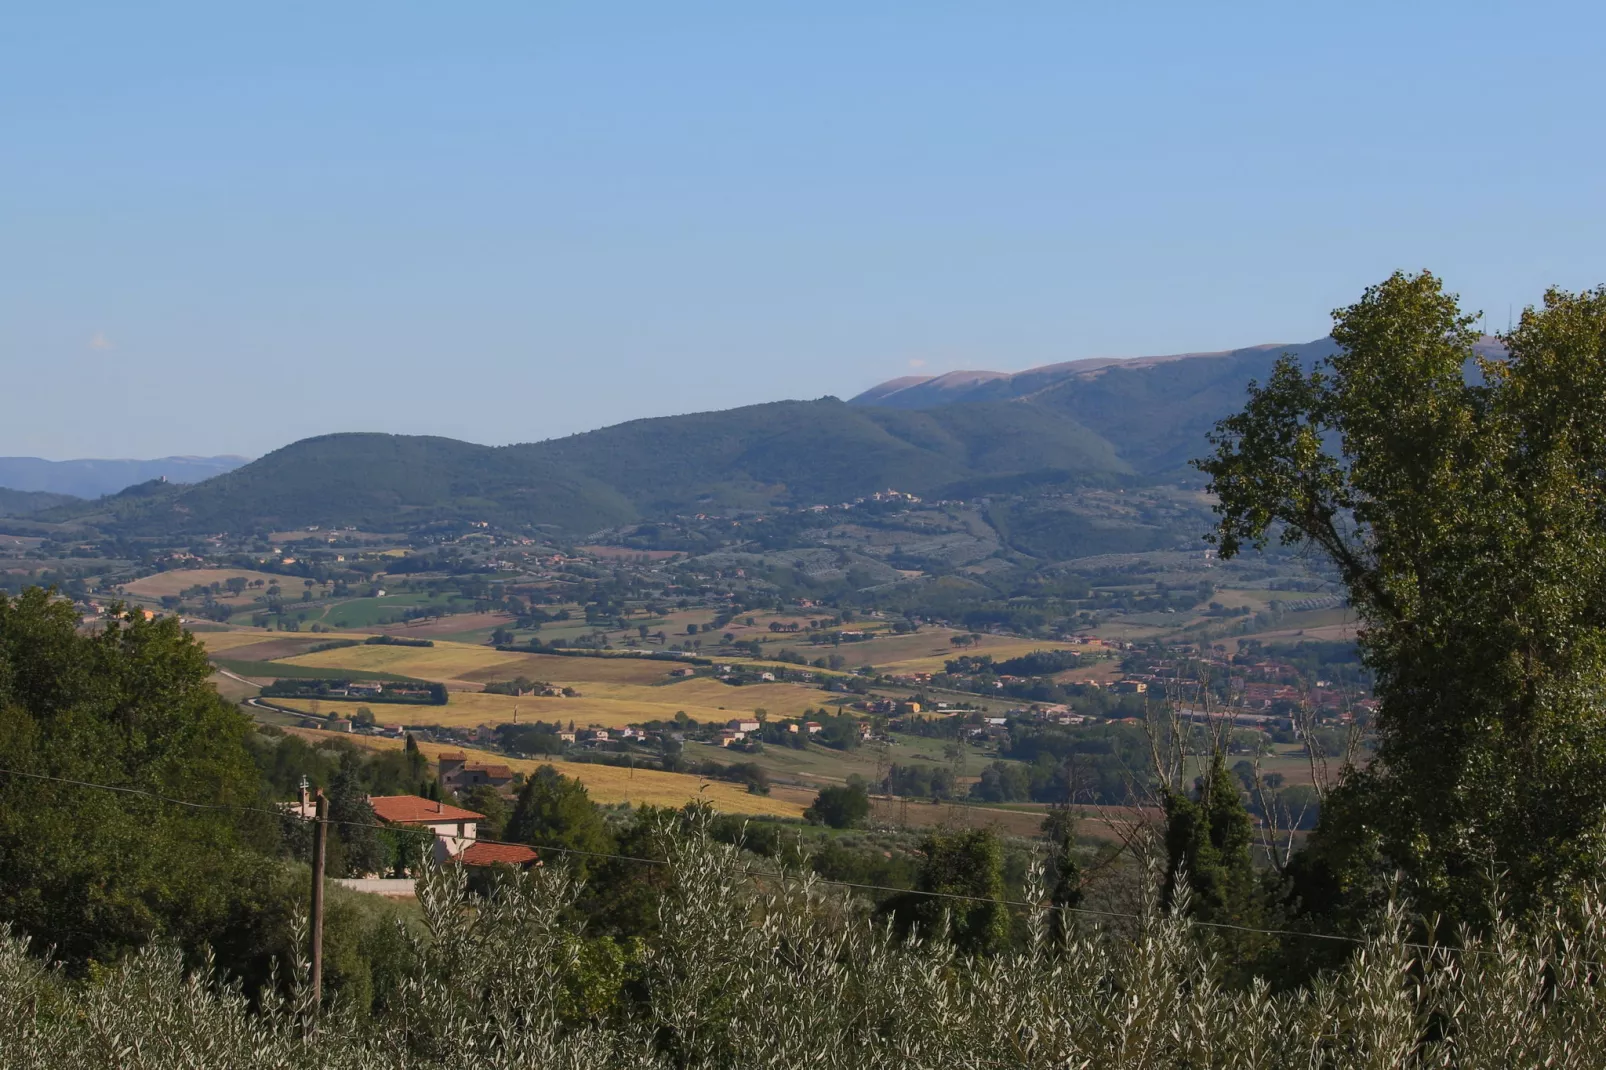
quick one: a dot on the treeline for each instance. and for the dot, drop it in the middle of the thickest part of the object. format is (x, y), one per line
(414, 694)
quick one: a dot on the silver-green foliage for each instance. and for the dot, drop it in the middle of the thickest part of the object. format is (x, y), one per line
(754, 971)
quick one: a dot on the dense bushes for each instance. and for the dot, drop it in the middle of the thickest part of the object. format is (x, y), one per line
(787, 974)
(93, 872)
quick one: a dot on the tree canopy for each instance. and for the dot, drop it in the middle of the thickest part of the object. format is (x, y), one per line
(840, 806)
(1462, 500)
(555, 811)
(93, 872)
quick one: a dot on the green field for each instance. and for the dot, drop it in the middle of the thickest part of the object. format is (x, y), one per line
(367, 612)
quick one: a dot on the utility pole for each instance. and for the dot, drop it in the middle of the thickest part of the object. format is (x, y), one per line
(319, 838)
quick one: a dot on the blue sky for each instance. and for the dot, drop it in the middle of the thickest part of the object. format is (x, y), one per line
(224, 227)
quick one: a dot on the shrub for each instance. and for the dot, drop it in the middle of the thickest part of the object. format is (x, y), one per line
(785, 973)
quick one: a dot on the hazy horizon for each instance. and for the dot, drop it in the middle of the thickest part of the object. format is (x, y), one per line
(911, 375)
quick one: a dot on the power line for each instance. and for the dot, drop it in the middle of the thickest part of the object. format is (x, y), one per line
(750, 871)
(281, 814)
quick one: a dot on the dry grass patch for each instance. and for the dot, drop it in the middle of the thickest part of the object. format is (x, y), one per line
(443, 661)
(450, 624)
(936, 650)
(221, 642)
(468, 708)
(781, 700)
(554, 668)
(614, 691)
(178, 580)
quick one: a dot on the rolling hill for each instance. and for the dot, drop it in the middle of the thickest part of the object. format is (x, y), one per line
(799, 452)
(1154, 411)
(964, 434)
(28, 502)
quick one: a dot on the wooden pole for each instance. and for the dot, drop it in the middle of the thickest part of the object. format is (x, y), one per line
(319, 838)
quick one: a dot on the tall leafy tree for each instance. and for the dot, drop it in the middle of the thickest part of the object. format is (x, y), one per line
(1207, 839)
(1462, 500)
(96, 873)
(962, 876)
(484, 799)
(355, 846)
(556, 811)
(841, 806)
(1064, 872)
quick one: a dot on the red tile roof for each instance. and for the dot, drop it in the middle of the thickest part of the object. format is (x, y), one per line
(451, 756)
(495, 772)
(417, 810)
(489, 854)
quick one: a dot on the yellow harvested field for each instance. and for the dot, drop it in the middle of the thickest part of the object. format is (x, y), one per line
(599, 705)
(937, 650)
(610, 784)
(1106, 672)
(614, 692)
(443, 661)
(781, 700)
(176, 581)
(556, 669)
(219, 642)
(468, 708)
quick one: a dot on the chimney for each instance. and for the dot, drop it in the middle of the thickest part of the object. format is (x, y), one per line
(438, 809)
(303, 810)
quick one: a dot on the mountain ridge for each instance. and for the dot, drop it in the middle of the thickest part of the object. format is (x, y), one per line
(754, 457)
(923, 391)
(94, 477)
(1041, 431)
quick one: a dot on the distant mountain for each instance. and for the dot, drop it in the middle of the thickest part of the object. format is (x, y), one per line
(16, 503)
(953, 388)
(971, 434)
(1153, 411)
(93, 478)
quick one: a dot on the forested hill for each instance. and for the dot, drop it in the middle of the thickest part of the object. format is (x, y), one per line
(1155, 411)
(1086, 422)
(796, 452)
(28, 502)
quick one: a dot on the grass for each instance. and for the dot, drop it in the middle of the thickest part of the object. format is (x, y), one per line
(820, 764)
(610, 784)
(928, 650)
(285, 671)
(175, 582)
(615, 691)
(368, 612)
(443, 661)
(219, 642)
(558, 669)
(232, 690)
